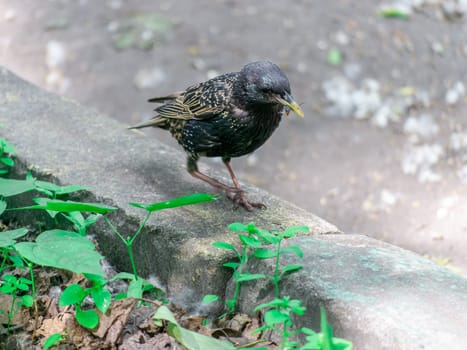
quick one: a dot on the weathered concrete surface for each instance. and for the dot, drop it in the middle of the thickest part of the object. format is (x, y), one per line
(379, 296)
(58, 139)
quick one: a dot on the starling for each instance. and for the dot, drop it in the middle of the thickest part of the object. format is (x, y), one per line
(228, 116)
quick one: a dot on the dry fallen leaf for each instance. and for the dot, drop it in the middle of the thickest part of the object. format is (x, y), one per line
(111, 325)
(140, 341)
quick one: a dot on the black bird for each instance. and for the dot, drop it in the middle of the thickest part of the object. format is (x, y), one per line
(228, 116)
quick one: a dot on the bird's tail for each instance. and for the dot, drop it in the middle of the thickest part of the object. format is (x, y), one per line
(155, 122)
(163, 99)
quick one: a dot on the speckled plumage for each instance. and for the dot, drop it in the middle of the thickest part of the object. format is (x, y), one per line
(228, 116)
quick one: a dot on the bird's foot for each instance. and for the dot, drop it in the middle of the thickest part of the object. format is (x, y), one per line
(239, 199)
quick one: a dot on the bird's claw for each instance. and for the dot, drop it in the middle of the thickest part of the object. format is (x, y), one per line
(239, 199)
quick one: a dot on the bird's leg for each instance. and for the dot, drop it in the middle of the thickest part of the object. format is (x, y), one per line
(193, 170)
(239, 196)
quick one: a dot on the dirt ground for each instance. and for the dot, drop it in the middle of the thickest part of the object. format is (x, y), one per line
(383, 145)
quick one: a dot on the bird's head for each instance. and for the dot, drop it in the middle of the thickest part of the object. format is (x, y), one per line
(265, 83)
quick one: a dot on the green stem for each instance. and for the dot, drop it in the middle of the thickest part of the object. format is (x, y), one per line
(129, 247)
(276, 277)
(148, 215)
(33, 285)
(5, 253)
(34, 294)
(129, 241)
(114, 230)
(243, 262)
(11, 313)
(284, 336)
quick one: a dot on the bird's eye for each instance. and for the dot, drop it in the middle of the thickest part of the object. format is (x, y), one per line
(266, 90)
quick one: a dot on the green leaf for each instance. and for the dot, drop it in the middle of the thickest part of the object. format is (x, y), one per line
(87, 318)
(135, 289)
(8, 238)
(45, 185)
(293, 249)
(64, 250)
(296, 307)
(274, 316)
(91, 219)
(326, 330)
(394, 12)
(188, 339)
(7, 147)
(268, 237)
(24, 283)
(9, 187)
(273, 303)
(43, 201)
(123, 276)
(120, 296)
(177, 202)
(290, 269)
(102, 299)
(76, 218)
(7, 288)
(250, 241)
(54, 339)
(10, 279)
(293, 230)
(74, 294)
(238, 227)
(17, 261)
(69, 206)
(231, 264)
(96, 280)
(327, 340)
(210, 298)
(224, 245)
(250, 277)
(7, 161)
(334, 57)
(263, 253)
(2, 206)
(27, 301)
(70, 189)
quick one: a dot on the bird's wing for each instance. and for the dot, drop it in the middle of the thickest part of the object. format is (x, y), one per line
(201, 101)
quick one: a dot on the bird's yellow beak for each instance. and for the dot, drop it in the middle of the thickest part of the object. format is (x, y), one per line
(289, 102)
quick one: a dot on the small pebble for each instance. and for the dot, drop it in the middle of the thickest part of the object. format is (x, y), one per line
(56, 54)
(454, 94)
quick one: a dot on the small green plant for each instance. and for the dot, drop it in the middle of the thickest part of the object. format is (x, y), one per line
(75, 295)
(16, 287)
(280, 311)
(52, 340)
(6, 160)
(136, 286)
(249, 242)
(324, 340)
(71, 250)
(279, 319)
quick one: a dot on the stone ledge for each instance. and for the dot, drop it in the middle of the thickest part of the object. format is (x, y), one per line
(378, 295)
(59, 139)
